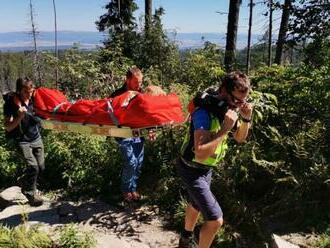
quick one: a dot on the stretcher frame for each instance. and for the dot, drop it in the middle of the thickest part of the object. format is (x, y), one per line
(103, 130)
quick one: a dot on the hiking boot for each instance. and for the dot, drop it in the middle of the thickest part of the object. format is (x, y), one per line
(21, 182)
(35, 200)
(189, 242)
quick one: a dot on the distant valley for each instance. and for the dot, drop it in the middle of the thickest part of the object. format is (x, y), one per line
(20, 41)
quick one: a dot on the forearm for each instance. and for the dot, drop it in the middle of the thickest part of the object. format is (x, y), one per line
(242, 132)
(11, 125)
(207, 149)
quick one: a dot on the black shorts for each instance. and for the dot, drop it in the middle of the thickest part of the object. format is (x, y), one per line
(198, 182)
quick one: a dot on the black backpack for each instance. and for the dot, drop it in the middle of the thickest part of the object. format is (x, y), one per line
(8, 98)
(209, 101)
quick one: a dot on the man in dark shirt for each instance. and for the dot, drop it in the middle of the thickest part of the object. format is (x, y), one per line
(132, 149)
(24, 127)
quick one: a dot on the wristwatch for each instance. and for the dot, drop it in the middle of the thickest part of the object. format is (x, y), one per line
(245, 120)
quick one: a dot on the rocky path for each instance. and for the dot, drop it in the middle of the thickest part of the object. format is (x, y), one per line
(115, 227)
(111, 226)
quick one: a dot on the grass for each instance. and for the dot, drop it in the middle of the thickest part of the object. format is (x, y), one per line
(24, 236)
(71, 237)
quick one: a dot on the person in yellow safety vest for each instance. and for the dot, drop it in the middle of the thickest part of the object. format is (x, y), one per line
(204, 147)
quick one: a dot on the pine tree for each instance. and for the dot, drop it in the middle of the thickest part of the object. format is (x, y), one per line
(233, 17)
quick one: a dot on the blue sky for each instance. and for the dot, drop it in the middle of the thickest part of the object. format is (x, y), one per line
(80, 15)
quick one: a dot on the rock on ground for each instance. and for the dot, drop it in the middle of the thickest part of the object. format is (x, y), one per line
(9, 196)
(281, 243)
(302, 240)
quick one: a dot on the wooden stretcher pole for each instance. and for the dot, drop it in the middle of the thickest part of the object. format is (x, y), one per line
(88, 129)
(103, 130)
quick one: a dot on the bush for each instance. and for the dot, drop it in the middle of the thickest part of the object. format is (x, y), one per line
(24, 237)
(324, 241)
(71, 237)
(11, 163)
(83, 164)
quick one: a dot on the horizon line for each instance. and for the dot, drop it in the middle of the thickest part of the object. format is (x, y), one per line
(95, 31)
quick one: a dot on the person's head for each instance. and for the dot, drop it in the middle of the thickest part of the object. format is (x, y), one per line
(25, 88)
(154, 90)
(235, 88)
(134, 78)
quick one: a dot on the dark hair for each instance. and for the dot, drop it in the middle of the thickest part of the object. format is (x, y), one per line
(23, 83)
(235, 80)
(132, 71)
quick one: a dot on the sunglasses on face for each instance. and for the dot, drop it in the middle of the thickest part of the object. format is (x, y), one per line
(27, 91)
(236, 100)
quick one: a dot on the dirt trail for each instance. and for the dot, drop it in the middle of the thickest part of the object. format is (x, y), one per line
(115, 227)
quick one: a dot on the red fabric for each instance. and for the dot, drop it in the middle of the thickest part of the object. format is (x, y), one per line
(191, 107)
(47, 99)
(141, 110)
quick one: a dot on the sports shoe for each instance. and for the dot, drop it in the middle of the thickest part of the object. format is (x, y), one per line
(189, 242)
(128, 197)
(136, 196)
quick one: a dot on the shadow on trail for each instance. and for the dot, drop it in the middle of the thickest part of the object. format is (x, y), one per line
(122, 220)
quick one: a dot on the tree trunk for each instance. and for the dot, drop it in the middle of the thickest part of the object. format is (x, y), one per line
(148, 14)
(233, 17)
(120, 16)
(37, 75)
(56, 48)
(248, 56)
(270, 33)
(282, 32)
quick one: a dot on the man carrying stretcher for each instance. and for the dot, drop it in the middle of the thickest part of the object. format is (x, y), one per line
(132, 149)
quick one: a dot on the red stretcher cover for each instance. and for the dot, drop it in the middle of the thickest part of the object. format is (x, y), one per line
(131, 109)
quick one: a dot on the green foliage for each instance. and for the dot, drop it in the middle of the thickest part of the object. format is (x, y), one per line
(154, 50)
(290, 147)
(10, 162)
(119, 16)
(310, 20)
(160, 162)
(317, 53)
(200, 69)
(83, 163)
(24, 237)
(183, 92)
(14, 65)
(180, 212)
(120, 23)
(223, 239)
(71, 237)
(151, 51)
(324, 241)
(82, 75)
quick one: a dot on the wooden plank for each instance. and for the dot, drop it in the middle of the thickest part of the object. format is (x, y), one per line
(89, 129)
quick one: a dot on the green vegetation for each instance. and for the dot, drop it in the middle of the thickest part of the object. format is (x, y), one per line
(324, 241)
(70, 237)
(32, 237)
(21, 236)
